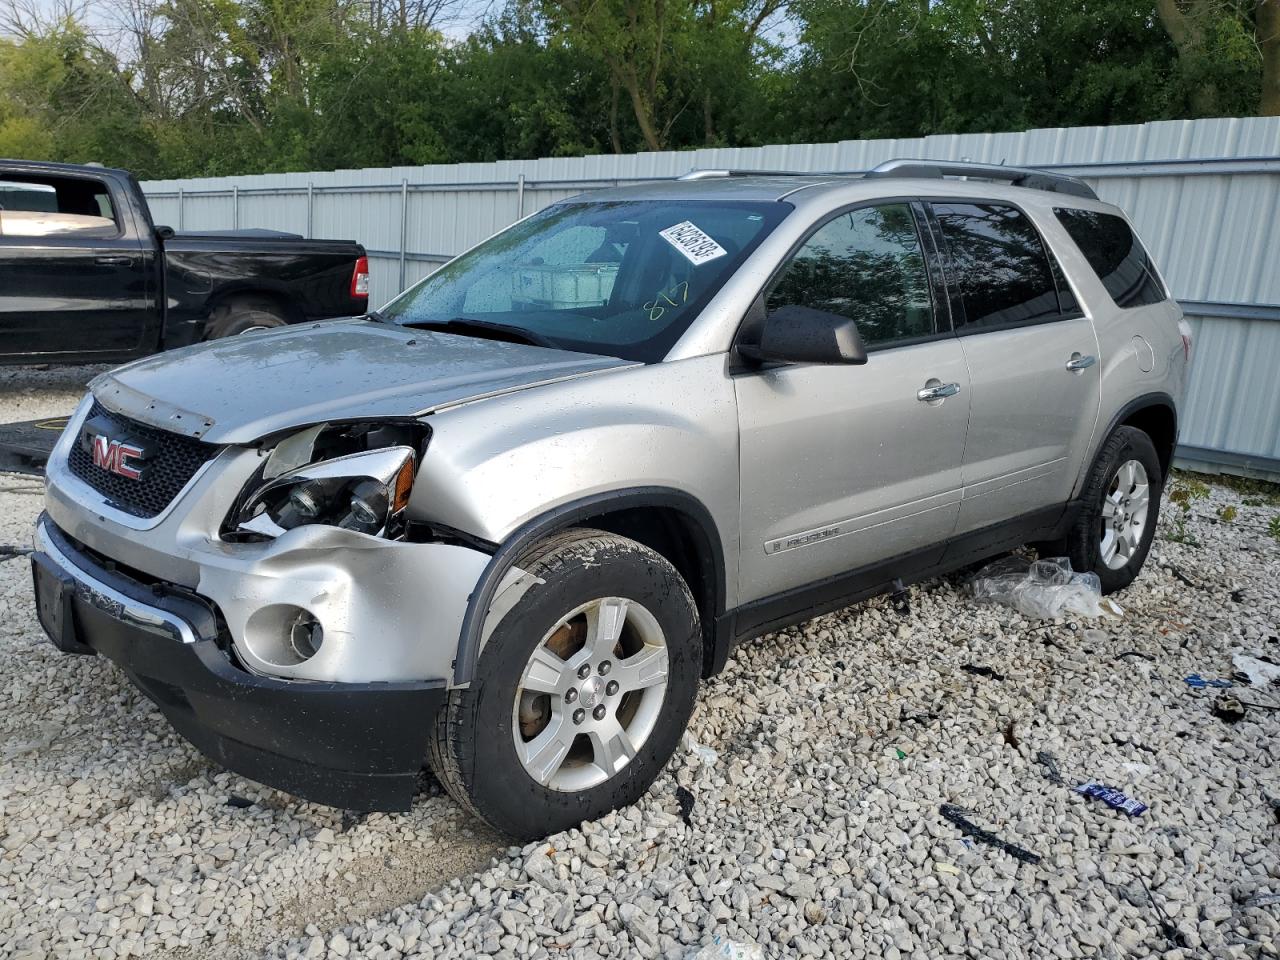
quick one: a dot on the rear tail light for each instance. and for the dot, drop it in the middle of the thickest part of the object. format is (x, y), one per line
(360, 278)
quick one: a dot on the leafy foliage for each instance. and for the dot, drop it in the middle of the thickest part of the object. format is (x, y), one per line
(207, 87)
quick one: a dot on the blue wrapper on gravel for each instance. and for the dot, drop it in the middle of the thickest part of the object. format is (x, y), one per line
(1112, 798)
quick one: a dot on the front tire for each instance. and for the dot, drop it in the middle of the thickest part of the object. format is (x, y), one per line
(581, 692)
(1121, 499)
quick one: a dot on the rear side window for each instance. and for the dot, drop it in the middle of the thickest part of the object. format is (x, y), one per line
(866, 265)
(998, 265)
(1116, 255)
(37, 206)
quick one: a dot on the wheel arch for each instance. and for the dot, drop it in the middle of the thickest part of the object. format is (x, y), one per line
(1156, 415)
(671, 522)
(249, 295)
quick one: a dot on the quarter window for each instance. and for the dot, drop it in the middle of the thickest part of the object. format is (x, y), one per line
(867, 265)
(998, 265)
(1116, 255)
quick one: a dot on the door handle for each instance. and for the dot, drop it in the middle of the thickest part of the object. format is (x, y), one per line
(114, 261)
(1078, 362)
(934, 391)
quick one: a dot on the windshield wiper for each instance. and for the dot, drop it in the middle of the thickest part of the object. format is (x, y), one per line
(463, 324)
(375, 316)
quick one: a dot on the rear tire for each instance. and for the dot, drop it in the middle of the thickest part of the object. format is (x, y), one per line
(570, 713)
(232, 319)
(1121, 504)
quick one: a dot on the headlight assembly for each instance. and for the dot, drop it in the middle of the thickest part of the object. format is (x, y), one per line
(366, 492)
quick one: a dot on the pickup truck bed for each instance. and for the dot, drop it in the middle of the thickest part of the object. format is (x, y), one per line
(85, 276)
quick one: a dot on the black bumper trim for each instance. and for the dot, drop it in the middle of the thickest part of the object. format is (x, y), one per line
(355, 746)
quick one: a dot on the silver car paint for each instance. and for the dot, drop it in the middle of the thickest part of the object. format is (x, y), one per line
(241, 389)
(390, 610)
(508, 445)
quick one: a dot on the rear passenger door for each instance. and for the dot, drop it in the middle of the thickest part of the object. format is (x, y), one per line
(1032, 357)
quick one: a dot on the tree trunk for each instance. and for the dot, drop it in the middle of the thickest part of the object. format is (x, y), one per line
(1186, 30)
(643, 112)
(1268, 20)
(708, 120)
(614, 138)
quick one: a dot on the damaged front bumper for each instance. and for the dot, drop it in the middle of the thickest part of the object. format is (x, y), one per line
(354, 745)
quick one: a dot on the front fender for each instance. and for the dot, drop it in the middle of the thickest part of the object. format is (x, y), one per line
(511, 469)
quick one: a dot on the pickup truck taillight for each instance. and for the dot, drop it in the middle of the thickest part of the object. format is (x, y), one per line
(360, 278)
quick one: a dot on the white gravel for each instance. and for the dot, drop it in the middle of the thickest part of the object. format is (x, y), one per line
(815, 832)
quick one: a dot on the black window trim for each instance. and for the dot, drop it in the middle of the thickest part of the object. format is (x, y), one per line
(69, 240)
(964, 329)
(943, 320)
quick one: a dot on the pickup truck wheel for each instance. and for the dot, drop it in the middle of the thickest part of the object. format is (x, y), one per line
(581, 693)
(1121, 498)
(231, 319)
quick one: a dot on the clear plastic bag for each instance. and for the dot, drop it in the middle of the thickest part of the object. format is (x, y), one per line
(722, 948)
(1044, 589)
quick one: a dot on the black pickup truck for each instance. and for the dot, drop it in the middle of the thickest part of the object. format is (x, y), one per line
(86, 277)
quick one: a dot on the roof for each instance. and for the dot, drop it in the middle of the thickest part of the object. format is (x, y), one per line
(48, 166)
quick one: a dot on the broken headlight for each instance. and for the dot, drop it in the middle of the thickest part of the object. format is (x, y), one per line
(365, 492)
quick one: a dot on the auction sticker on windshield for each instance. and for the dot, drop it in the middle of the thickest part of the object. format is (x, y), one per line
(697, 247)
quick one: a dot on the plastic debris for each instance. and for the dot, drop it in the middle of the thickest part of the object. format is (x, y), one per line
(707, 755)
(1044, 589)
(1116, 799)
(1228, 709)
(1259, 673)
(41, 741)
(239, 802)
(944, 867)
(1199, 683)
(978, 671)
(722, 948)
(686, 801)
(1050, 764)
(957, 816)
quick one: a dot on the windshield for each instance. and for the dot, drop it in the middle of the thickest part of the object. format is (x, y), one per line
(622, 278)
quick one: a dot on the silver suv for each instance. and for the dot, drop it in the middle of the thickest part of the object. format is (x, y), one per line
(509, 522)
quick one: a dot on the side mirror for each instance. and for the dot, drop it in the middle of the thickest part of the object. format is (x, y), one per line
(164, 233)
(795, 334)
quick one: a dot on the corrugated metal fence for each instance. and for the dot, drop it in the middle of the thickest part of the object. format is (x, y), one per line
(1205, 195)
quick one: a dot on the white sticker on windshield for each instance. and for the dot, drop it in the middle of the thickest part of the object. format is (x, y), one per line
(692, 242)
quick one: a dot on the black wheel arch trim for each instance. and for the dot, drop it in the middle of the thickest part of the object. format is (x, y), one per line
(710, 558)
(1143, 402)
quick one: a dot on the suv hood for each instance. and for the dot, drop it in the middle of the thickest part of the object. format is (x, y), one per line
(244, 388)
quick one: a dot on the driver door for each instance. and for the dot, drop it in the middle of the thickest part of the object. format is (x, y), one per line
(844, 467)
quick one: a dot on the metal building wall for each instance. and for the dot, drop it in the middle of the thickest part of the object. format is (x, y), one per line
(1204, 194)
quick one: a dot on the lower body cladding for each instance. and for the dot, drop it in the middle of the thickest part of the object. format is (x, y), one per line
(341, 714)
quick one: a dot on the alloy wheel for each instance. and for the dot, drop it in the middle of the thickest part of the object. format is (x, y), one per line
(591, 694)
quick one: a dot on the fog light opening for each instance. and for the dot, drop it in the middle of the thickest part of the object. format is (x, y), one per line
(305, 635)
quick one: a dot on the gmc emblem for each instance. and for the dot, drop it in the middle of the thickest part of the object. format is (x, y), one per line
(116, 456)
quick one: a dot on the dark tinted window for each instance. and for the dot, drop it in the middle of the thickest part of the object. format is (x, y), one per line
(998, 265)
(866, 265)
(1116, 256)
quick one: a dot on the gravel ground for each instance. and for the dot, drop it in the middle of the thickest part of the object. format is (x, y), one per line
(814, 831)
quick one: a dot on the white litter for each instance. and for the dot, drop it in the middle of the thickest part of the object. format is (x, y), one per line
(1043, 589)
(707, 755)
(722, 948)
(1259, 672)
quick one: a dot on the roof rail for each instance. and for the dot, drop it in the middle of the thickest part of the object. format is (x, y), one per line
(1017, 176)
(712, 174)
